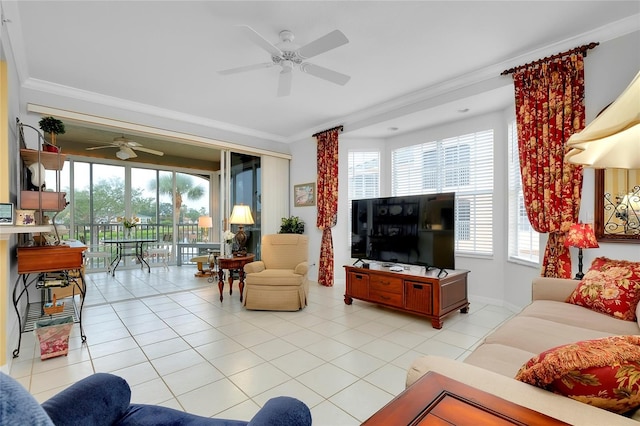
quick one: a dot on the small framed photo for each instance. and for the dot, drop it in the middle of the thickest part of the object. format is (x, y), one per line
(26, 217)
(6, 214)
(304, 194)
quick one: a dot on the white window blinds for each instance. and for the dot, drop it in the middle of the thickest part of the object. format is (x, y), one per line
(364, 174)
(462, 164)
(523, 240)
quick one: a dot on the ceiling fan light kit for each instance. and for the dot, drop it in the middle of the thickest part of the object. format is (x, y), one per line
(289, 55)
(122, 155)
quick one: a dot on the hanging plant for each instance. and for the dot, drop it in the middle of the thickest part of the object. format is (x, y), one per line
(53, 126)
(292, 225)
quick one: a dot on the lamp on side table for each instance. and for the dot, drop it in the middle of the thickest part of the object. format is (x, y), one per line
(205, 222)
(241, 215)
(581, 235)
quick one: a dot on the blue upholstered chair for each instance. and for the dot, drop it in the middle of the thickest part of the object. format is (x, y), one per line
(104, 399)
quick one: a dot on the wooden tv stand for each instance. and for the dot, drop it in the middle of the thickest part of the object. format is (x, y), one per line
(425, 293)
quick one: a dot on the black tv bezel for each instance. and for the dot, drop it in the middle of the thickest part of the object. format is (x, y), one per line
(366, 255)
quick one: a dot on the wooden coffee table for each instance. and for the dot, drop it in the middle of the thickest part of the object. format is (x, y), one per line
(437, 400)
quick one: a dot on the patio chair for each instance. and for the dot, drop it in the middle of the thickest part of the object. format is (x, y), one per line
(97, 251)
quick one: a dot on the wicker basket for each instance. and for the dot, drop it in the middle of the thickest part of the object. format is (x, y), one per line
(53, 308)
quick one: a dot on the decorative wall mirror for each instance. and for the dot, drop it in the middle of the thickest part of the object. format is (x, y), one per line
(617, 206)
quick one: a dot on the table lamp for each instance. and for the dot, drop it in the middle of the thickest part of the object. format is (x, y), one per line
(241, 215)
(581, 235)
(205, 222)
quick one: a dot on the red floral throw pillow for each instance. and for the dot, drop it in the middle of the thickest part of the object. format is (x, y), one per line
(611, 287)
(604, 372)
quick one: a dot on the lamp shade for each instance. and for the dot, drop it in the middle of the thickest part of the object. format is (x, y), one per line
(123, 155)
(241, 215)
(205, 222)
(611, 139)
(581, 235)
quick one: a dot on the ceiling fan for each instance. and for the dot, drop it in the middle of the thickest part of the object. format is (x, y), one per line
(289, 55)
(127, 148)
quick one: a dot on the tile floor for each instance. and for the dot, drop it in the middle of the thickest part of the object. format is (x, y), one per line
(184, 349)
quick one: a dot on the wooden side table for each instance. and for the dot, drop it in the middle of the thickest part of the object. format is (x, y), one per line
(233, 263)
(435, 399)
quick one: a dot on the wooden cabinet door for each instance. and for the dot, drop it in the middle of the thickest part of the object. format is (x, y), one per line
(358, 285)
(418, 297)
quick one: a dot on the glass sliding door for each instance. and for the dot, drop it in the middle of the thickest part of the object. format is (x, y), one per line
(107, 199)
(144, 201)
(245, 188)
(167, 203)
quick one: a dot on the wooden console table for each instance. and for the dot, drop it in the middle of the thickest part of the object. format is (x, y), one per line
(435, 399)
(41, 259)
(432, 294)
(233, 263)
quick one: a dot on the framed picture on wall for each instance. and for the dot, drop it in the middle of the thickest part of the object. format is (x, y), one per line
(304, 194)
(6, 214)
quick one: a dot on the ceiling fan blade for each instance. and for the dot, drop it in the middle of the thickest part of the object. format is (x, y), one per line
(246, 68)
(260, 41)
(101, 147)
(284, 82)
(325, 73)
(129, 151)
(150, 151)
(330, 41)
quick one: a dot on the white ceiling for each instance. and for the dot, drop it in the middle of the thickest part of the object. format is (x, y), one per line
(407, 59)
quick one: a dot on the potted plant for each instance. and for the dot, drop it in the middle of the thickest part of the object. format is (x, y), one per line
(54, 127)
(292, 225)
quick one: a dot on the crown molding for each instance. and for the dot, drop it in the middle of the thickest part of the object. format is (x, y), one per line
(111, 101)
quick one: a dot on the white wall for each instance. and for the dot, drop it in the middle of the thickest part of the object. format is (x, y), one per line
(608, 70)
(8, 267)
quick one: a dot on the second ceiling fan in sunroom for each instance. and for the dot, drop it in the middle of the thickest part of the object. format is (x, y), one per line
(127, 148)
(289, 56)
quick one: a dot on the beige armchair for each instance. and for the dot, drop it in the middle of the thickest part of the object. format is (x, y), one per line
(278, 282)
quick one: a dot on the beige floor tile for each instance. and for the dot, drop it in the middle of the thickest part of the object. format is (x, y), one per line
(187, 351)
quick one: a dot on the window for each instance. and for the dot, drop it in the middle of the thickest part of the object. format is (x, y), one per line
(364, 177)
(461, 164)
(364, 174)
(523, 240)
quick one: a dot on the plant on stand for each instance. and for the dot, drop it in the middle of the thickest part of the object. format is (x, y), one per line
(54, 127)
(228, 237)
(128, 224)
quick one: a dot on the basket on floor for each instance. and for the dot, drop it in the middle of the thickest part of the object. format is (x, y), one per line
(53, 335)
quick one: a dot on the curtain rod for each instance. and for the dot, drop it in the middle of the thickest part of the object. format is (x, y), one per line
(582, 49)
(339, 128)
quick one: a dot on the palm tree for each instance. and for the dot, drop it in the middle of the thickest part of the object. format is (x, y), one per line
(185, 187)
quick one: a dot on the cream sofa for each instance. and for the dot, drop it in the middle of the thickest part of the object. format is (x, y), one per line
(547, 322)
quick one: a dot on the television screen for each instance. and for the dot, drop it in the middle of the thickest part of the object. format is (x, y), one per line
(414, 230)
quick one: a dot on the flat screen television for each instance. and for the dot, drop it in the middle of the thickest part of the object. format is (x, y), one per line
(412, 230)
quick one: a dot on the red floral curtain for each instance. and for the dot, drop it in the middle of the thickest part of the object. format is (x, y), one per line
(327, 200)
(549, 109)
